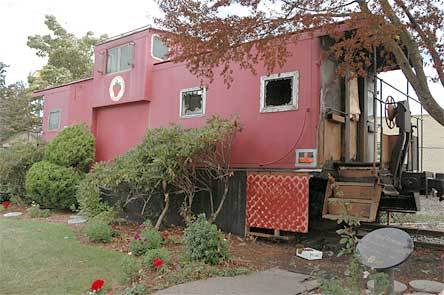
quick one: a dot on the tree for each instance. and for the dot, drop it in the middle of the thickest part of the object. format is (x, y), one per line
(209, 35)
(69, 58)
(2, 75)
(19, 111)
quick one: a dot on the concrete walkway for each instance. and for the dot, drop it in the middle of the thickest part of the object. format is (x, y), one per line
(273, 281)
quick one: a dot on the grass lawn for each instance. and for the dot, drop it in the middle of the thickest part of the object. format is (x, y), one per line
(45, 258)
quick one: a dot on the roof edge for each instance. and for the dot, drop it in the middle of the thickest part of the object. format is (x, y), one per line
(40, 92)
(129, 33)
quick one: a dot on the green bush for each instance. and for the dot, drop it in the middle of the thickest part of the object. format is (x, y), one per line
(105, 217)
(15, 161)
(162, 253)
(52, 186)
(130, 268)
(203, 242)
(88, 193)
(36, 212)
(136, 289)
(152, 238)
(73, 147)
(148, 239)
(98, 232)
(137, 247)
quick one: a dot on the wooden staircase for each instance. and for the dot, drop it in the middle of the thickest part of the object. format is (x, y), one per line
(354, 191)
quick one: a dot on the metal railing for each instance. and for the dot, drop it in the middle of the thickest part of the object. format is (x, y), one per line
(419, 120)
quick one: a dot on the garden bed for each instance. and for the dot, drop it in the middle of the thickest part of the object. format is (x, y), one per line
(248, 254)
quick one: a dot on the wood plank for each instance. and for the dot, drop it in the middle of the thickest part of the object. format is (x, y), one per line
(363, 201)
(332, 141)
(356, 172)
(356, 191)
(335, 217)
(332, 117)
(353, 209)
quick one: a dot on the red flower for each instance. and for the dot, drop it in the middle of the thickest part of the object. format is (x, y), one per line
(6, 204)
(97, 285)
(165, 235)
(158, 262)
(137, 237)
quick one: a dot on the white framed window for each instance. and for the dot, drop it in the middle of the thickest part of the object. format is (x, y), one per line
(120, 58)
(279, 92)
(159, 50)
(192, 102)
(54, 119)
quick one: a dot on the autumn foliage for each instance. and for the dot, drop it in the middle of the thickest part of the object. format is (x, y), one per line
(213, 36)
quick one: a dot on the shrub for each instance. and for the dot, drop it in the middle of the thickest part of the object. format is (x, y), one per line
(157, 259)
(88, 192)
(106, 217)
(36, 212)
(148, 239)
(152, 238)
(15, 161)
(136, 289)
(137, 247)
(203, 242)
(98, 232)
(73, 147)
(130, 268)
(52, 186)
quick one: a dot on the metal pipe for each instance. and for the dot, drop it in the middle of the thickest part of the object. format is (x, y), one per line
(393, 87)
(375, 89)
(422, 140)
(381, 128)
(417, 144)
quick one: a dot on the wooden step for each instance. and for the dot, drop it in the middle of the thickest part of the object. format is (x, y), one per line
(356, 171)
(359, 199)
(336, 217)
(347, 200)
(348, 207)
(356, 190)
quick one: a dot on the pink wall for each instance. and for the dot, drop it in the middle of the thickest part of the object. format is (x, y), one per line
(74, 103)
(113, 136)
(266, 137)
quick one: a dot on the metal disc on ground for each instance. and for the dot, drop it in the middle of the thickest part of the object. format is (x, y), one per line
(385, 248)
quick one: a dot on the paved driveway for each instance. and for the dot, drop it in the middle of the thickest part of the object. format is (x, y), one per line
(269, 282)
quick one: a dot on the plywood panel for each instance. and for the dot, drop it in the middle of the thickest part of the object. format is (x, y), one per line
(332, 141)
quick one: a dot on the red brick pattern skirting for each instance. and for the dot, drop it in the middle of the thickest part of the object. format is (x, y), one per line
(278, 201)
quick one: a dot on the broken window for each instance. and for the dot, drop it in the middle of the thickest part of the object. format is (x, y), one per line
(192, 102)
(279, 92)
(54, 120)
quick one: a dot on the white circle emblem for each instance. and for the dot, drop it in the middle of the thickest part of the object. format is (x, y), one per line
(116, 88)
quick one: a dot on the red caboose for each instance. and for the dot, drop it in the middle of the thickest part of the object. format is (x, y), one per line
(299, 123)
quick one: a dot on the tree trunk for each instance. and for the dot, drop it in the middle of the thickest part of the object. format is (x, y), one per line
(165, 209)
(222, 201)
(416, 78)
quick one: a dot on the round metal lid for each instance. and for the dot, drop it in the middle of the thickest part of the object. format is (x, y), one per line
(385, 248)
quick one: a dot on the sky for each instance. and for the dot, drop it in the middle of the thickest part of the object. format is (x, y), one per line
(22, 18)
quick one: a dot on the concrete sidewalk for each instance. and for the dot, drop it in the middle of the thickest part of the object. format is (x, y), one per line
(273, 281)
